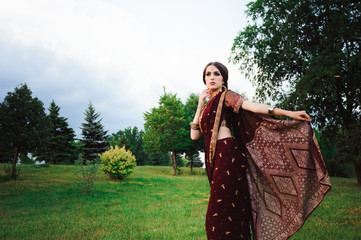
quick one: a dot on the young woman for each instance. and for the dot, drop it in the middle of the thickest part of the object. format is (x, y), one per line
(268, 175)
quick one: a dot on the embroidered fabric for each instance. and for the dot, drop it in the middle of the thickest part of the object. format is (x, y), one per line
(286, 174)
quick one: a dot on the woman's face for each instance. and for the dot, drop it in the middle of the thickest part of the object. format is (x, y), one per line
(214, 79)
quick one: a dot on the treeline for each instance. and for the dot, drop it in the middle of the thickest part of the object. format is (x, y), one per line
(29, 134)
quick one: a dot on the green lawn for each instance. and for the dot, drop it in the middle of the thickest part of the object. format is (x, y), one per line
(45, 203)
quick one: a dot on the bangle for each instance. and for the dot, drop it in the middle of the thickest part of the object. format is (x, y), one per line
(271, 110)
(194, 126)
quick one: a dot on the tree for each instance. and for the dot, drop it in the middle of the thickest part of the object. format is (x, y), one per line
(93, 135)
(312, 48)
(192, 147)
(59, 145)
(132, 139)
(164, 128)
(22, 123)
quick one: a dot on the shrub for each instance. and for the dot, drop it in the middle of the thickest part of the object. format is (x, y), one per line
(86, 173)
(117, 162)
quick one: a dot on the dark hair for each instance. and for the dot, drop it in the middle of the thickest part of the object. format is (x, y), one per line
(221, 68)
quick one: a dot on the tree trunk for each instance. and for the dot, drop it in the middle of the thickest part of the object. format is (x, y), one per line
(174, 162)
(358, 172)
(191, 163)
(13, 169)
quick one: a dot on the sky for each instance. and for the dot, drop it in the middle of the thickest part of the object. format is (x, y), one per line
(116, 54)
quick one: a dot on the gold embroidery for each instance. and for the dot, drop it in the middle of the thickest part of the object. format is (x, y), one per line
(243, 209)
(219, 200)
(227, 233)
(213, 143)
(243, 166)
(236, 192)
(232, 159)
(243, 155)
(213, 229)
(220, 154)
(223, 186)
(233, 205)
(230, 219)
(215, 215)
(228, 172)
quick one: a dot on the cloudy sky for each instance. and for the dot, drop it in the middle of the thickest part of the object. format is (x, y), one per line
(117, 54)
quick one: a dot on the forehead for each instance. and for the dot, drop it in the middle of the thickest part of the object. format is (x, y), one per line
(212, 68)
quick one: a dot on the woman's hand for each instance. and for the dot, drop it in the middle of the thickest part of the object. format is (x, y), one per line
(202, 97)
(300, 115)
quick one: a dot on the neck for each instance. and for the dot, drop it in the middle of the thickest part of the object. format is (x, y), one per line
(214, 92)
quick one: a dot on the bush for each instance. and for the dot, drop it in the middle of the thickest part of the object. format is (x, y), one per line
(117, 162)
(86, 173)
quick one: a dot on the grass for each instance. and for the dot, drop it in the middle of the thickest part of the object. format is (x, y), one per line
(45, 203)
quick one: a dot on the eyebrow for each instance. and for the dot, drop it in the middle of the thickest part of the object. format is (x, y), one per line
(212, 71)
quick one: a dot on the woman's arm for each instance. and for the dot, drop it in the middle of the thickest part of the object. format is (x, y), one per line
(264, 109)
(196, 133)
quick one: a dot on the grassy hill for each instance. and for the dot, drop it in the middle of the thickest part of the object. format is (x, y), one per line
(46, 203)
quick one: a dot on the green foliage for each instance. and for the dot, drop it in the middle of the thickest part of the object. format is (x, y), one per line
(58, 147)
(348, 147)
(86, 173)
(132, 139)
(335, 166)
(192, 147)
(159, 159)
(195, 161)
(23, 123)
(117, 162)
(165, 127)
(311, 48)
(25, 159)
(93, 135)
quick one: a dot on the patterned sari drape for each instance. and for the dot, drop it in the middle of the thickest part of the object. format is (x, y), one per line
(287, 178)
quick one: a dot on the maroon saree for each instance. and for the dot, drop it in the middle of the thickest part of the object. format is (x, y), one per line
(286, 175)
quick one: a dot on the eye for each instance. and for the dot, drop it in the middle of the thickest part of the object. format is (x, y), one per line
(217, 73)
(208, 74)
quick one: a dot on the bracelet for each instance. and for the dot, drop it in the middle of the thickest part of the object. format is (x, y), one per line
(194, 126)
(271, 110)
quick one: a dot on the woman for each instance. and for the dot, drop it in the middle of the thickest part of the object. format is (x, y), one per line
(269, 174)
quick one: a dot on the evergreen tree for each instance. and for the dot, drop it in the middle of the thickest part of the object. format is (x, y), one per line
(22, 123)
(59, 147)
(94, 135)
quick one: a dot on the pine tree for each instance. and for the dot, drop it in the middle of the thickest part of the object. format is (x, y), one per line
(59, 147)
(94, 135)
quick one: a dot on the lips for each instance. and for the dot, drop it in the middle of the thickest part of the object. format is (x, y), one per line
(212, 83)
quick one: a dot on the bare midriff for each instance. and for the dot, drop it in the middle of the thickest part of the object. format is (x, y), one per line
(224, 132)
